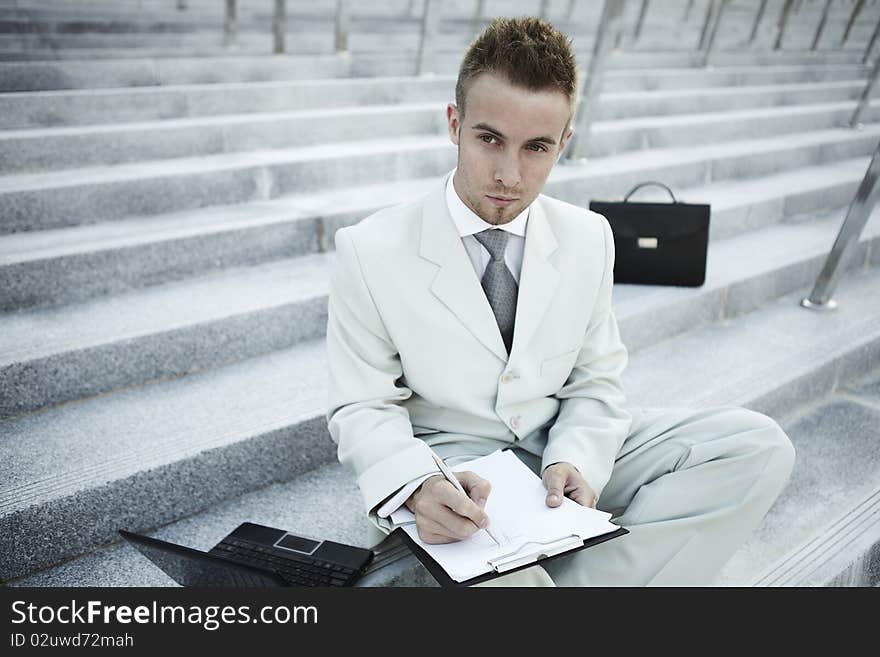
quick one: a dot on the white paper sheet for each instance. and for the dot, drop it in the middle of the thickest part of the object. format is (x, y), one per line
(519, 517)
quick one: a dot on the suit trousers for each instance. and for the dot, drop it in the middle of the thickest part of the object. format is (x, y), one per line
(690, 486)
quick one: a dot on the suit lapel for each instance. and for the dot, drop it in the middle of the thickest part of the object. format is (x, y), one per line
(456, 283)
(538, 279)
(457, 286)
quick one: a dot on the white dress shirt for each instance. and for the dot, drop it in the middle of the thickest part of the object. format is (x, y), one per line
(468, 223)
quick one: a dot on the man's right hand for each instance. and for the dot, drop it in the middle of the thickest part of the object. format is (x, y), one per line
(443, 514)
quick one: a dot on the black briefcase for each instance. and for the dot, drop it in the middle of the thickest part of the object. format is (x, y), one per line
(658, 243)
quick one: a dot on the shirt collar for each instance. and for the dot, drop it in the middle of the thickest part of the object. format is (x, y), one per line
(468, 223)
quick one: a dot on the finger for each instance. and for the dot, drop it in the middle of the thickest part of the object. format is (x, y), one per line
(451, 524)
(581, 496)
(578, 490)
(428, 527)
(461, 505)
(439, 518)
(477, 488)
(554, 481)
(436, 539)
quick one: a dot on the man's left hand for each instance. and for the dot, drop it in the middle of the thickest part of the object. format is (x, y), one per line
(565, 479)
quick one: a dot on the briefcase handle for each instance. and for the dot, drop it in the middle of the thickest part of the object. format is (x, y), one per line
(649, 182)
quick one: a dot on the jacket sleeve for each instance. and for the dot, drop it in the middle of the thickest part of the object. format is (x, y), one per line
(365, 418)
(592, 422)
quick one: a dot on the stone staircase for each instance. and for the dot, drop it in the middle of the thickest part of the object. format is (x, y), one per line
(164, 254)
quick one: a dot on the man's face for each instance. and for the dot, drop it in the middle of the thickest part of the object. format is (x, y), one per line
(508, 141)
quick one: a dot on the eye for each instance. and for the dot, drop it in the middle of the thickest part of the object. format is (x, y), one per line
(489, 139)
(537, 148)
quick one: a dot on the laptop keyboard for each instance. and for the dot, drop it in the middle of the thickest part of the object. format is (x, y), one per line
(295, 569)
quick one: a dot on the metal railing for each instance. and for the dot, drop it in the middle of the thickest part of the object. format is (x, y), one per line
(342, 25)
(608, 34)
(822, 22)
(783, 21)
(430, 22)
(637, 32)
(278, 26)
(606, 38)
(229, 26)
(820, 298)
(703, 58)
(431, 12)
(761, 9)
(854, 14)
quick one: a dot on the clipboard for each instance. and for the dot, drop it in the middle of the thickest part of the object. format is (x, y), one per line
(505, 567)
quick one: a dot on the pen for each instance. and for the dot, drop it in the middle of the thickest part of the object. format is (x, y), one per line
(452, 479)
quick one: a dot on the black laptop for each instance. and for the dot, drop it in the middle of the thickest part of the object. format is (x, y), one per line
(257, 556)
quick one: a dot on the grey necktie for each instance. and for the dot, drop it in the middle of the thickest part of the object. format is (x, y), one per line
(498, 283)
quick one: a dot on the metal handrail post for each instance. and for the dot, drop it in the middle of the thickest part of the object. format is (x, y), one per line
(821, 27)
(854, 14)
(704, 56)
(865, 100)
(278, 26)
(641, 20)
(430, 20)
(230, 26)
(481, 10)
(758, 18)
(856, 217)
(343, 24)
(545, 9)
(871, 43)
(687, 11)
(710, 12)
(780, 26)
(606, 32)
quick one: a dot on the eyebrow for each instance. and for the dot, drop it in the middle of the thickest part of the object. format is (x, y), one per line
(497, 133)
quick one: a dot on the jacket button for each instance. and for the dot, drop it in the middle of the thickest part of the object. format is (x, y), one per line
(514, 421)
(507, 378)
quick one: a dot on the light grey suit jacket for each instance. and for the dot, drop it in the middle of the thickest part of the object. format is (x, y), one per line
(416, 357)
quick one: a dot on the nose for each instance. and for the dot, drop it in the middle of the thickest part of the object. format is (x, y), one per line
(507, 171)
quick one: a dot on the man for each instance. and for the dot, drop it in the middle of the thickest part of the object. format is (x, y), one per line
(479, 318)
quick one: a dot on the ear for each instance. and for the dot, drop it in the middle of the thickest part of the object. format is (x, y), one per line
(566, 135)
(454, 122)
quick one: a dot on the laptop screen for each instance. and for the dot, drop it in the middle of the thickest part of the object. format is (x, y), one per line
(190, 567)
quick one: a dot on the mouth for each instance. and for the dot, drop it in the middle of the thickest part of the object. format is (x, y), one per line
(501, 201)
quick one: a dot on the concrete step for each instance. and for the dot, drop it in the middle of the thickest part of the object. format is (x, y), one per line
(69, 37)
(101, 193)
(627, 94)
(160, 333)
(68, 265)
(824, 530)
(793, 357)
(447, 63)
(658, 78)
(104, 106)
(619, 136)
(692, 166)
(91, 73)
(314, 37)
(48, 149)
(632, 104)
(145, 12)
(96, 194)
